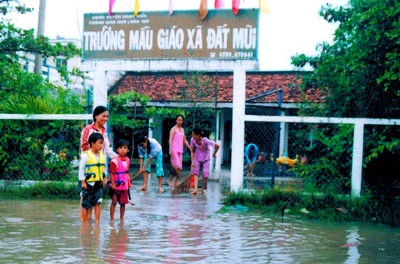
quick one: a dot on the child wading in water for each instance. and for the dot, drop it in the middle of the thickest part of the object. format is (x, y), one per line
(100, 118)
(148, 149)
(200, 146)
(177, 139)
(119, 179)
(92, 177)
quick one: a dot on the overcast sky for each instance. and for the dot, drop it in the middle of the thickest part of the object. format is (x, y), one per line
(292, 26)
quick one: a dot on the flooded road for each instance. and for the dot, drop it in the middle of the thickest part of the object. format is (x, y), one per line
(167, 228)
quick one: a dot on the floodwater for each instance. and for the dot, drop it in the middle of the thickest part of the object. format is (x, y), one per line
(168, 228)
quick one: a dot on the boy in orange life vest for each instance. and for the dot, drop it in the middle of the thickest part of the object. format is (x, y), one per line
(92, 177)
(120, 180)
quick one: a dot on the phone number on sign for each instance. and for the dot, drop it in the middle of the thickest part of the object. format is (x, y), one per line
(236, 55)
(233, 55)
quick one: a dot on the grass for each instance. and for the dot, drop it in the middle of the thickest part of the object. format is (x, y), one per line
(41, 190)
(327, 207)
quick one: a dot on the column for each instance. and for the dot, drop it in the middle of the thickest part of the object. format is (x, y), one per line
(238, 112)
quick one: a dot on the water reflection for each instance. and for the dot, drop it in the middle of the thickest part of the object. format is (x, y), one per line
(117, 244)
(89, 236)
(174, 233)
(353, 241)
(167, 228)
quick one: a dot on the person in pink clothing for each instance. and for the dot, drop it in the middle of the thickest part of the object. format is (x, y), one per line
(100, 118)
(201, 148)
(177, 139)
(119, 179)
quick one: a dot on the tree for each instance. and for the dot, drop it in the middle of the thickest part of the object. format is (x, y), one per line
(23, 141)
(124, 118)
(200, 95)
(14, 40)
(130, 110)
(359, 74)
(18, 86)
(361, 69)
(130, 114)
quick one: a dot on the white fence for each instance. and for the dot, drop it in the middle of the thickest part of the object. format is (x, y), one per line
(238, 133)
(47, 116)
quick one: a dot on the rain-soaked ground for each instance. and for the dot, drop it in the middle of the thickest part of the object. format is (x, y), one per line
(168, 228)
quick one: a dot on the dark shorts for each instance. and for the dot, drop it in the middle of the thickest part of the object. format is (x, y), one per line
(79, 187)
(119, 196)
(91, 196)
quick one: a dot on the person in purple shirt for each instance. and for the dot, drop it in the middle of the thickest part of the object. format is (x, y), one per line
(201, 151)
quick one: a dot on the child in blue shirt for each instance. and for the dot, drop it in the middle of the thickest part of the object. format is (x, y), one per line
(148, 149)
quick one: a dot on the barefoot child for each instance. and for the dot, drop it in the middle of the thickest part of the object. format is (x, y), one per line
(92, 177)
(148, 149)
(200, 146)
(177, 139)
(100, 118)
(119, 179)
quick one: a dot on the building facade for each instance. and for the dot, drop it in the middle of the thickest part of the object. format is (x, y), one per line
(267, 93)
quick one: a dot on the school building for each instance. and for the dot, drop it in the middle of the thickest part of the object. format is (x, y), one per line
(266, 92)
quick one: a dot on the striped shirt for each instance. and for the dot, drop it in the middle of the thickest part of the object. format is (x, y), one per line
(90, 129)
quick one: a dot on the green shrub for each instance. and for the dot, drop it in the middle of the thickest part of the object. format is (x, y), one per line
(43, 190)
(329, 207)
(329, 159)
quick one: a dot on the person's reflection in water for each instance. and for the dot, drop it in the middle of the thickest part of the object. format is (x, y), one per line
(118, 244)
(174, 234)
(174, 238)
(90, 240)
(195, 234)
(352, 244)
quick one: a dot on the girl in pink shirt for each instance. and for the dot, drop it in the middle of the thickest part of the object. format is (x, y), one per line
(177, 139)
(201, 147)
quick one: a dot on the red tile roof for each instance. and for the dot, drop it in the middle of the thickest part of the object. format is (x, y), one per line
(168, 86)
